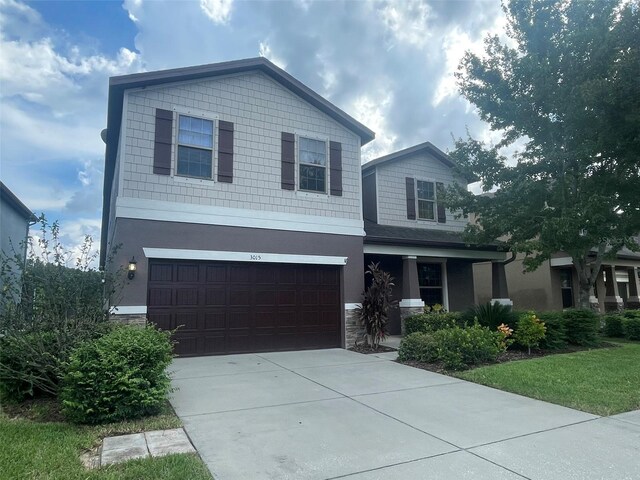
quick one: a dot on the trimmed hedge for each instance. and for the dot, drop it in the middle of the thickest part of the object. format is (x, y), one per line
(631, 328)
(418, 346)
(613, 325)
(456, 347)
(431, 322)
(582, 327)
(119, 376)
(631, 313)
(556, 335)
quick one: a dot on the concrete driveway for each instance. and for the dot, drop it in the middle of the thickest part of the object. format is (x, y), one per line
(329, 414)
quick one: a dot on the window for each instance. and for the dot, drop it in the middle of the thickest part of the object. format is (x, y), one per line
(312, 155)
(195, 147)
(566, 286)
(430, 282)
(426, 200)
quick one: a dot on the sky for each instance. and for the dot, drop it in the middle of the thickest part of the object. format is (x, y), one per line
(389, 64)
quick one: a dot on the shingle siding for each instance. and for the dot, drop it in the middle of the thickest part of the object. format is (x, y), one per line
(261, 109)
(392, 196)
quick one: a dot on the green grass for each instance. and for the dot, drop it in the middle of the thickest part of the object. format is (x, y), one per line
(32, 449)
(603, 381)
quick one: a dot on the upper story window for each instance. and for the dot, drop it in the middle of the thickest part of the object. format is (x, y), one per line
(312, 155)
(426, 200)
(195, 147)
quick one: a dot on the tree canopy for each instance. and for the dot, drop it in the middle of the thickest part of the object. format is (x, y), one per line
(563, 86)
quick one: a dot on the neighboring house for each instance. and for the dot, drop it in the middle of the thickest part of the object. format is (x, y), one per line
(236, 190)
(15, 219)
(416, 239)
(554, 285)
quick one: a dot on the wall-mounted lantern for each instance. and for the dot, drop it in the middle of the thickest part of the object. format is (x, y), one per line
(132, 268)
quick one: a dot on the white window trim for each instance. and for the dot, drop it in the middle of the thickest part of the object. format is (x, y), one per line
(311, 136)
(194, 112)
(435, 200)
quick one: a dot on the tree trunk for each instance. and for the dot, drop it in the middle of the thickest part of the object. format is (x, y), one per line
(587, 269)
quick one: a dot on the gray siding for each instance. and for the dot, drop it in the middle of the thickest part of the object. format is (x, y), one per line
(14, 229)
(260, 109)
(392, 197)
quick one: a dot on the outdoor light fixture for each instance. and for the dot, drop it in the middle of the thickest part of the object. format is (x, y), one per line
(132, 268)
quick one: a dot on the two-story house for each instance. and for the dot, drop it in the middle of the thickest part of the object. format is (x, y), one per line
(233, 194)
(418, 240)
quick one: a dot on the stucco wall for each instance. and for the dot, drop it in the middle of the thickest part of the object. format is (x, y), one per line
(260, 109)
(133, 235)
(392, 195)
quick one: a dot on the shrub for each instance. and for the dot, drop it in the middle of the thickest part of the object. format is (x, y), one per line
(631, 313)
(613, 325)
(555, 337)
(529, 331)
(122, 375)
(431, 322)
(376, 301)
(491, 315)
(631, 328)
(458, 348)
(582, 327)
(418, 346)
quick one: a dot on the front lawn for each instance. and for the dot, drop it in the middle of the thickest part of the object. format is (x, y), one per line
(603, 381)
(34, 449)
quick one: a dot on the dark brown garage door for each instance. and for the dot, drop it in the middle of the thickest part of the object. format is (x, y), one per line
(224, 307)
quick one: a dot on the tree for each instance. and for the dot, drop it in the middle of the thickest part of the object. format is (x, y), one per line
(565, 86)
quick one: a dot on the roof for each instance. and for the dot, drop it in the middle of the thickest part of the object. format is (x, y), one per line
(118, 85)
(9, 197)
(392, 235)
(407, 152)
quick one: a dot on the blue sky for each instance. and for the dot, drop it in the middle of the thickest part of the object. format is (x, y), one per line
(390, 64)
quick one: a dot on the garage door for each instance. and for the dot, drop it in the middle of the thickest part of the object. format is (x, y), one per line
(224, 307)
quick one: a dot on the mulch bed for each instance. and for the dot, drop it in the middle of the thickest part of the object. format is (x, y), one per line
(367, 350)
(38, 410)
(508, 356)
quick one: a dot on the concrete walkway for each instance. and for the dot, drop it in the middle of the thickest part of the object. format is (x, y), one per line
(337, 414)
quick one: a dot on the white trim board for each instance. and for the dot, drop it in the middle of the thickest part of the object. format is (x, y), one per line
(259, 257)
(128, 310)
(143, 209)
(433, 252)
(568, 262)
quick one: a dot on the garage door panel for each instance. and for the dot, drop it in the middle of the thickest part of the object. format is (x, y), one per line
(187, 273)
(162, 320)
(231, 307)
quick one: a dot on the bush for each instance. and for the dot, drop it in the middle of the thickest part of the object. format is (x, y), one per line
(491, 315)
(418, 346)
(529, 331)
(582, 327)
(631, 313)
(431, 322)
(555, 337)
(631, 328)
(613, 325)
(119, 376)
(376, 302)
(458, 348)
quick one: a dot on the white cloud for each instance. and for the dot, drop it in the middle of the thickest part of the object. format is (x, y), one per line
(408, 21)
(265, 51)
(219, 11)
(372, 110)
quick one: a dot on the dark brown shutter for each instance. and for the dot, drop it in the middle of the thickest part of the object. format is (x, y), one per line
(288, 161)
(225, 151)
(335, 168)
(442, 212)
(162, 146)
(411, 199)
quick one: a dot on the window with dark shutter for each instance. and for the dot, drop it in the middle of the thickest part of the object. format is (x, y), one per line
(411, 198)
(162, 144)
(335, 168)
(288, 157)
(442, 212)
(225, 151)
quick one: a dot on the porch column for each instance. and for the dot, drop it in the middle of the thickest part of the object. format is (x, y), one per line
(634, 287)
(499, 289)
(411, 303)
(612, 300)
